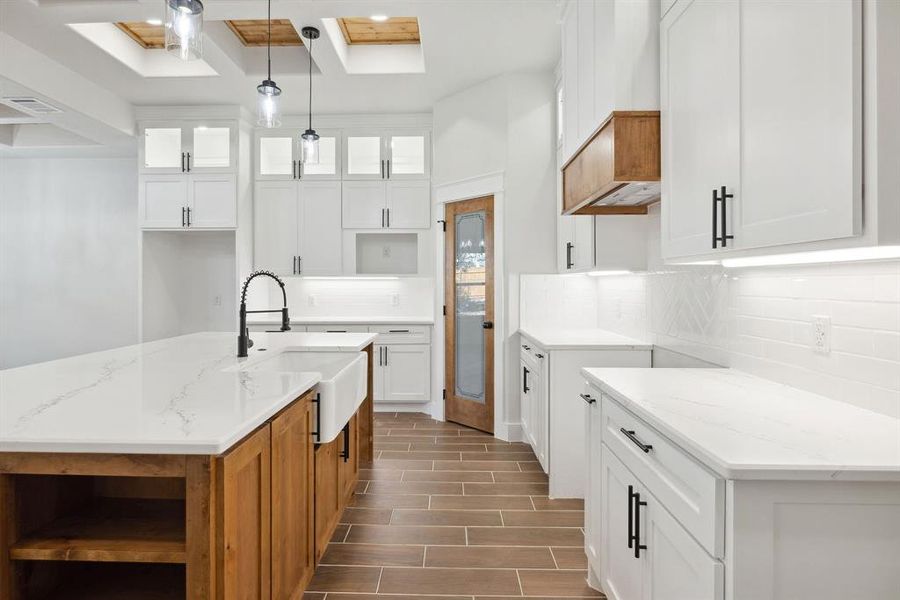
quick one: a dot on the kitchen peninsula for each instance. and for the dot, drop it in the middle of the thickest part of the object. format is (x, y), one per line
(173, 469)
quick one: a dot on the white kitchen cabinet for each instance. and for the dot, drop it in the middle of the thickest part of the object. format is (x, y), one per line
(387, 155)
(593, 477)
(700, 116)
(620, 573)
(188, 147)
(787, 149)
(298, 227)
(525, 399)
(407, 369)
(386, 204)
(279, 156)
(571, 139)
(189, 201)
(534, 392)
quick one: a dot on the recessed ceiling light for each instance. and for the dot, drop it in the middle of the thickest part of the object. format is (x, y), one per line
(379, 18)
(154, 21)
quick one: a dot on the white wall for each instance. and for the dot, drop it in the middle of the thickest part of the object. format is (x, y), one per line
(755, 319)
(506, 124)
(68, 257)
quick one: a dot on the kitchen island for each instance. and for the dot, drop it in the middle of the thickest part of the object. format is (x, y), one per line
(714, 484)
(174, 469)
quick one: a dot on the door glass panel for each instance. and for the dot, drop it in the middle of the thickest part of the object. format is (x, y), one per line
(162, 147)
(363, 155)
(327, 164)
(276, 156)
(212, 147)
(408, 155)
(469, 277)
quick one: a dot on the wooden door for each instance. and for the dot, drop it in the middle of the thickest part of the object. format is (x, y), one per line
(700, 118)
(328, 493)
(244, 519)
(321, 239)
(293, 515)
(275, 243)
(469, 320)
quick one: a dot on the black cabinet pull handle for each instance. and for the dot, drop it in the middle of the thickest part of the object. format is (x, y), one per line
(386, 356)
(295, 266)
(382, 217)
(629, 433)
(182, 216)
(182, 162)
(631, 496)
(189, 165)
(299, 265)
(335, 331)
(189, 212)
(389, 168)
(389, 217)
(294, 169)
(723, 217)
(382, 169)
(398, 330)
(539, 355)
(526, 346)
(525, 373)
(569, 263)
(638, 546)
(345, 453)
(587, 398)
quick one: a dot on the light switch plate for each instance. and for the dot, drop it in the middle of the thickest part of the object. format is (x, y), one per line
(821, 334)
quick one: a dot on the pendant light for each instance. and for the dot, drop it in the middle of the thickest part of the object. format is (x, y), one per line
(267, 111)
(184, 28)
(309, 137)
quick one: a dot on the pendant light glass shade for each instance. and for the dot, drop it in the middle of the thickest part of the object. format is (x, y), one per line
(309, 138)
(268, 110)
(310, 142)
(184, 28)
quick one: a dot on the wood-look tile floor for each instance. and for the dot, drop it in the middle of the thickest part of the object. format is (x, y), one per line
(449, 513)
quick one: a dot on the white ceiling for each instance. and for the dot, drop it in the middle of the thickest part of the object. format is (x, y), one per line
(463, 41)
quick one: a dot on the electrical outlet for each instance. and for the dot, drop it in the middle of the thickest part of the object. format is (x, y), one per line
(821, 334)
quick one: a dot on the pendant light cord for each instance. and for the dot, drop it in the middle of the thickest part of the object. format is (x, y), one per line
(269, 43)
(309, 52)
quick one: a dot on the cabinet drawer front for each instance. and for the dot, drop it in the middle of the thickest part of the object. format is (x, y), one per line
(402, 334)
(337, 328)
(692, 494)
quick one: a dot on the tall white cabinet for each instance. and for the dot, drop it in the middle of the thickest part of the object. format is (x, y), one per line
(761, 124)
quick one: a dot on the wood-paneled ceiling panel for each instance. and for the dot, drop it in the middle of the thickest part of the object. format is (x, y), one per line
(396, 30)
(151, 37)
(255, 32)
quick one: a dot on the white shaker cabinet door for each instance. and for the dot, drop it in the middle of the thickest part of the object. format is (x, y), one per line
(620, 571)
(407, 373)
(409, 204)
(163, 201)
(364, 204)
(801, 122)
(378, 351)
(700, 118)
(275, 223)
(593, 529)
(525, 401)
(213, 201)
(320, 228)
(583, 252)
(675, 567)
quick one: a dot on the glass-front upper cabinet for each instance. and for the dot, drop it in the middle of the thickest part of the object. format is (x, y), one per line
(278, 156)
(387, 155)
(188, 147)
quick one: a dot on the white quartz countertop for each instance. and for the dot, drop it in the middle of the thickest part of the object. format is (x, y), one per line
(581, 339)
(179, 395)
(344, 321)
(746, 427)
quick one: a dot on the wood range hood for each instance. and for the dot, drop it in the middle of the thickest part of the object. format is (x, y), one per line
(617, 170)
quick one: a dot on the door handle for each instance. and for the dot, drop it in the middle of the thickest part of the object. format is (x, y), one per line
(569, 263)
(182, 216)
(487, 325)
(638, 546)
(723, 217)
(389, 168)
(631, 516)
(294, 169)
(182, 162)
(295, 266)
(189, 208)
(398, 331)
(389, 217)
(587, 398)
(525, 387)
(385, 356)
(189, 168)
(299, 265)
(382, 169)
(382, 217)
(345, 453)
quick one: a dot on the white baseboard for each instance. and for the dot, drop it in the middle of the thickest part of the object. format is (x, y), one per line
(514, 432)
(392, 407)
